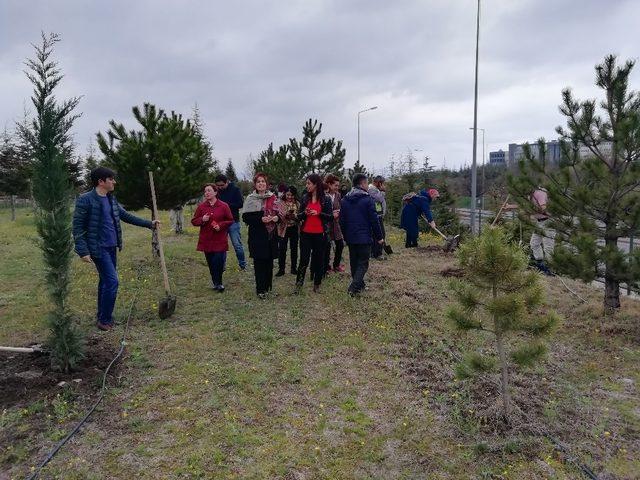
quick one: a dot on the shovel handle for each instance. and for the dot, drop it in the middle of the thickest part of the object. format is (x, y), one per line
(493, 224)
(441, 234)
(163, 265)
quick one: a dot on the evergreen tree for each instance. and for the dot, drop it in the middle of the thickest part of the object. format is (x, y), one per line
(319, 156)
(15, 170)
(198, 126)
(444, 212)
(357, 168)
(410, 172)
(167, 145)
(230, 172)
(90, 162)
(426, 171)
(278, 166)
(593, 193)
(49, 140)
(499, 297)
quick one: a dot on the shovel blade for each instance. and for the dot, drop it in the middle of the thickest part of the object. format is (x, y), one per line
(452, 243)
(387, 249)
(167, 306)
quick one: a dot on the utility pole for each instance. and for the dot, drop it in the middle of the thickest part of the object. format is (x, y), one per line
(474, 173)
(362, 111)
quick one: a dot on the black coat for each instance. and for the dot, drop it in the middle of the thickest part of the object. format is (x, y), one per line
(326, 214)
(262, 244)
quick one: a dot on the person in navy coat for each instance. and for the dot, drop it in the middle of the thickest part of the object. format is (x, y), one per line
(416, 206)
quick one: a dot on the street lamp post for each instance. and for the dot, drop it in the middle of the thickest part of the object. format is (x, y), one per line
(474, 172)
(483, 182)
(362, 111)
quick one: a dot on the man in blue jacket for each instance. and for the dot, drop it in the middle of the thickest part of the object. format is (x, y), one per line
(232, 196)
(97, 234)
(360, 228)
(414, 207)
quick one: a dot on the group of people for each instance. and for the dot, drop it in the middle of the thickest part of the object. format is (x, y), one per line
(315, 226)
(319, 223)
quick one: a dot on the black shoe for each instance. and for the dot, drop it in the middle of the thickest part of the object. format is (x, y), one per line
(294, 271)
(262, 296)
(220, 288)
(280, 273)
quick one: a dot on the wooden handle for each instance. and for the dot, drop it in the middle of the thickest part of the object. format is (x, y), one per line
(163, 265)
(441, 234)
(493, 224)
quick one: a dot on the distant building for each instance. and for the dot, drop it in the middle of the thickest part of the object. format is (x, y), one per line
(498, 158)
(516, 152)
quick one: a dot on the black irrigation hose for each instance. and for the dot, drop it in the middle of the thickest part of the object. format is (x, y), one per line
(57, 448)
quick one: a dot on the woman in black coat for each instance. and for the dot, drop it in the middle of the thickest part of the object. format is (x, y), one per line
(315, 214)
(260, 213)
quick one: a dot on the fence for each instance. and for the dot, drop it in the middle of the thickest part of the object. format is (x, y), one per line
(625, 244)
(5, 202)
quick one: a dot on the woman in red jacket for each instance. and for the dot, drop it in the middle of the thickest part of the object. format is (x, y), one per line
(214, 218)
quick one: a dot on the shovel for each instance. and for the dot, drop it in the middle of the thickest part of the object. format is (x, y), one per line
(166, 305)
(450, 243)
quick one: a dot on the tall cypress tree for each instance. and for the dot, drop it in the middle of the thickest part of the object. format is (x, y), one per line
(50, 142)
(594, 193)
(322, 156)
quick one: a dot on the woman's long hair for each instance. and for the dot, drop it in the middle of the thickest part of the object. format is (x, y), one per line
(320, 187)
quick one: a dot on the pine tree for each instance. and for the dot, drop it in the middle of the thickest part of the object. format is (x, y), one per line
(279, 166)
(499, 297)
(198, 126)
(319, 156)
(90, 162)
(230, 172)
(593, 193)
(444, 212)
(426, 171)
(357, 168)
(49, 139)
(167, 145)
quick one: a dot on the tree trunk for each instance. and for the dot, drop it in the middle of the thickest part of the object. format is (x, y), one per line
(611, 284)
(504, 384)
(176, 216)
(611, 295)
(13, 208)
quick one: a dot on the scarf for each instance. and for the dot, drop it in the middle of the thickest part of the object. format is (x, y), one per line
(255, 201)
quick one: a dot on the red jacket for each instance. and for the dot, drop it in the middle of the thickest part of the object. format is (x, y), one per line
(211, 240)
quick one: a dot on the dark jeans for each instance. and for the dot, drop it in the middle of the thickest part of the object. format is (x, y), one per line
(376, 249)
(312, 247)
(411, 240)
(216, 262)
(263, 270)
(290, 236)
(359, 262)
(107, 285)
(337, 256)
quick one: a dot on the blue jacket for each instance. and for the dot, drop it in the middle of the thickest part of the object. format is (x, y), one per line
(232, 196)
(417, 206)
(358, 218)
(87, 223)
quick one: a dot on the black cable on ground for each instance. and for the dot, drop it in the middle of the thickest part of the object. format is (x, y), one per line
(57, 448)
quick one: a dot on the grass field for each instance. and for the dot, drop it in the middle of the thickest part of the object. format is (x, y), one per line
(315, 386)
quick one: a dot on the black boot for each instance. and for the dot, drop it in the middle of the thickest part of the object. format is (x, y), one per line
(543, 268)
(280, 273)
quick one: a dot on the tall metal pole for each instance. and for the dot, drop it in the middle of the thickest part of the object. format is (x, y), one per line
(359, 137)
(474, 173)
(362, 111)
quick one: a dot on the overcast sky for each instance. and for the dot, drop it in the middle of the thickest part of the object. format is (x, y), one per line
(259, 69)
